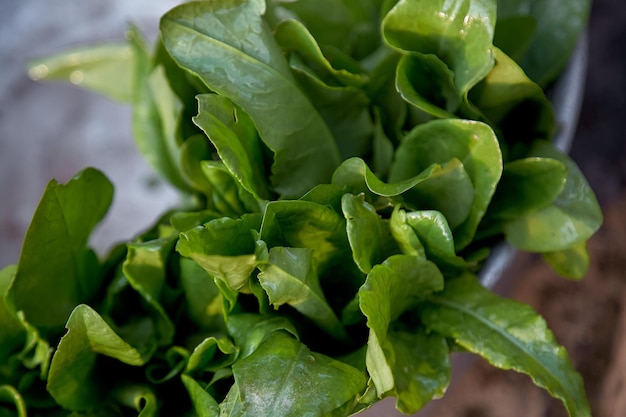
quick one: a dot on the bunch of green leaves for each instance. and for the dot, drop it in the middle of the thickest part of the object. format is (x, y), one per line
(348, 166)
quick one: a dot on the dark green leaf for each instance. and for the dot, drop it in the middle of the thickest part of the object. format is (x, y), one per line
(304, 224)
(509, 334)
(284, 378)
(203, 301)
(56, 270)
(369, 236)
(227, 195)
(145, 267)
(557, 29)
(211, 355)
(527, 184)
(12, 334)
(459, 32)
(290, 277)
(345, 111)
(75, 380)
(390, 289)
(573, 218)
(349, 25)
(204, 404)
(426, 82)
(439, 141)
(426, 233)
(225, 248)
(244, 63)
(292, 35)
(233, 134)
(11, 395)
(513, 102)
(250, 330)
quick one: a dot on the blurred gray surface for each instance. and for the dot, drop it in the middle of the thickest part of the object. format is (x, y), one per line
(53, 130)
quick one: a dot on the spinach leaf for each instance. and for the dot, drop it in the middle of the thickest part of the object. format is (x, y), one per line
(57, 270)
(279, 377)
(391, 289)
(234, 53)
(548, 50)
(369, 236)
(459, 32)
(234, 136)
(509, 334)
(439, 141)
(225, 248)
(290, 277)
(572, 218)
(12, 333)
(77, 376)
(204, 404)
(156, 110)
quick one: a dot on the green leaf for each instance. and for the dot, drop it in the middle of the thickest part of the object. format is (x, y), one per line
(459, 32)
(571, 263)
(204, 404)
(211, 355)
(56, 270)
(390, 289)
(509, 334)
(293, 36)
(345, 111)
(156, 110)
(11, 395)
(426, 233)
(224, 193)
(348, 25)
(165, 366)
(227, 195)
(225, 248)
(284, 378)
(138, 397)
(145, 267)
(76, 379)
(106, 69)
(426, 82)
(233, 134)
(12, 333)
(244, 63)
(445, 187)
(193, 151)
(573, 217)
(304, 224)
(550, 49)
(439, 141)
(513, 102)
(369, 236)
(527, 184)
(421, 368)
(202, 296)
(250, 330)
(290, 277)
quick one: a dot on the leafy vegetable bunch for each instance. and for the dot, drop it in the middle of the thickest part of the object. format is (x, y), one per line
(347, 167)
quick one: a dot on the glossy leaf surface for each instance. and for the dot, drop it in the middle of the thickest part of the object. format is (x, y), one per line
(510, 335)
(246, 63)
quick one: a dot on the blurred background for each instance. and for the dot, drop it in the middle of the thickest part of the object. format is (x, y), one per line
(53, 130)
